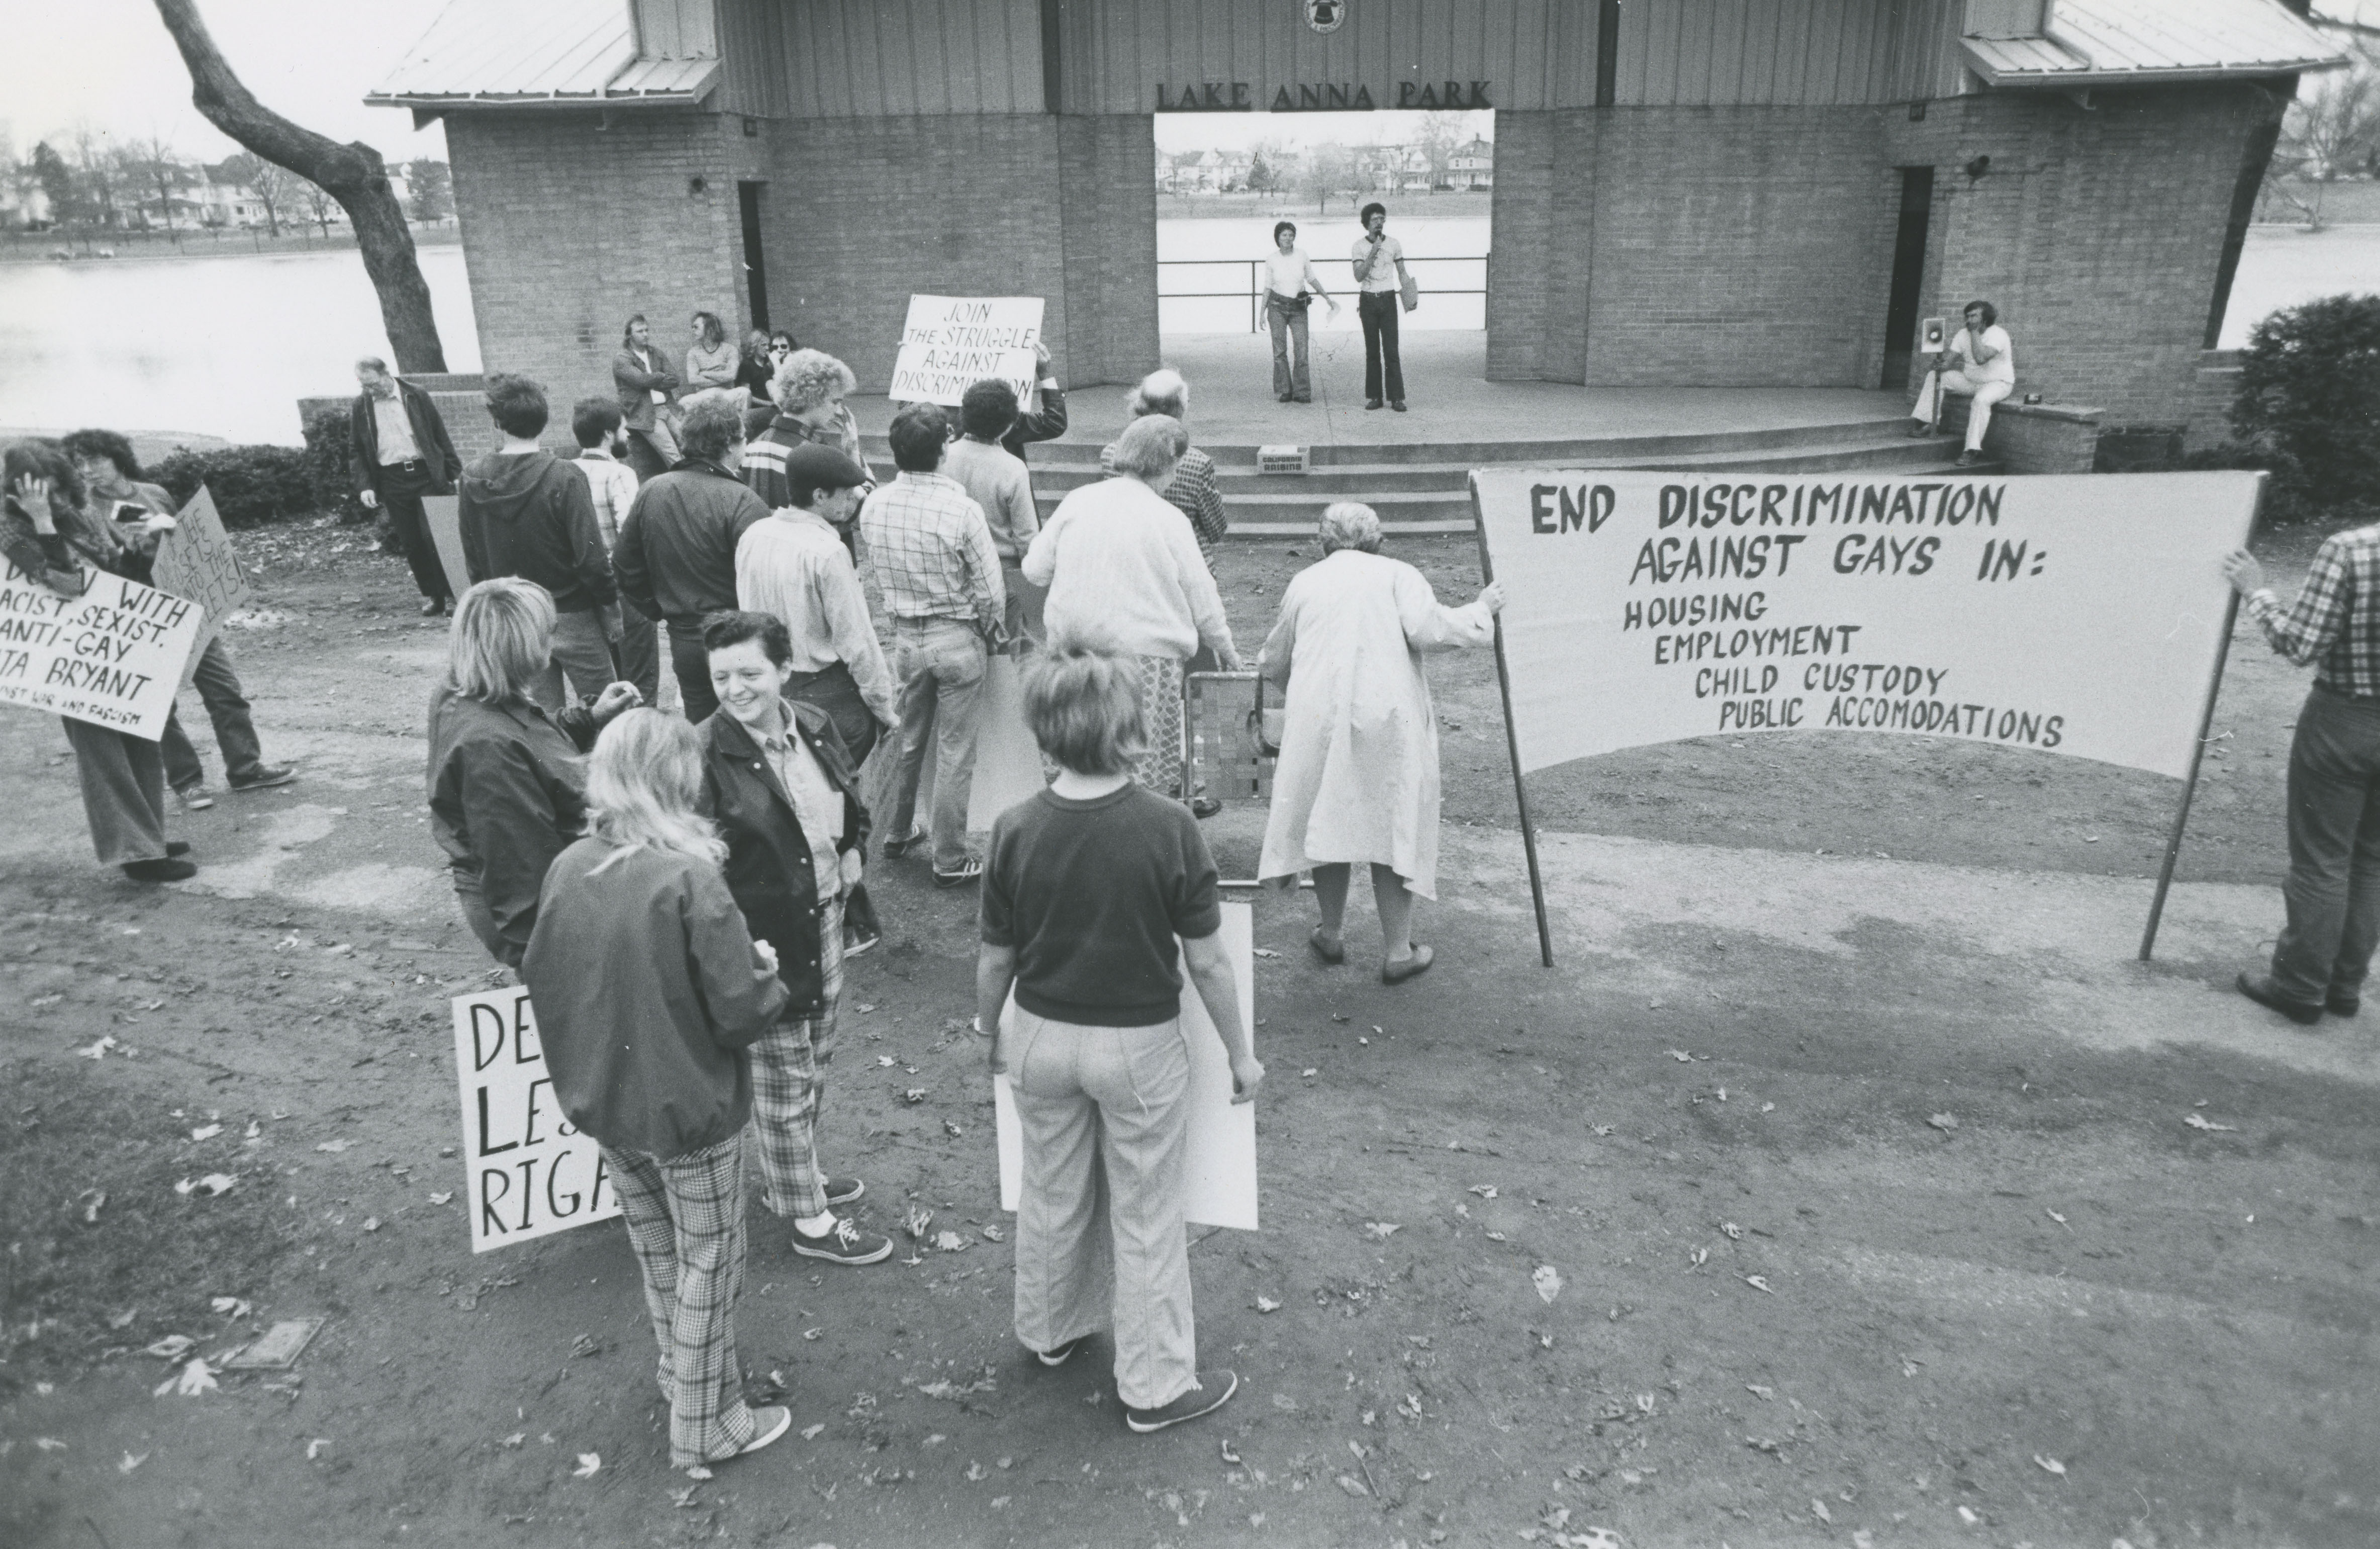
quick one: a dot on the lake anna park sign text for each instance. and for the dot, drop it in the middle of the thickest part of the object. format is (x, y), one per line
(1240, 96)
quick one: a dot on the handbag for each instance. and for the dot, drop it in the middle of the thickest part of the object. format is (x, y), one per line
(1410, 288)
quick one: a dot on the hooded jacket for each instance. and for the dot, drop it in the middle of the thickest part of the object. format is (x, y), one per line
(529, 514)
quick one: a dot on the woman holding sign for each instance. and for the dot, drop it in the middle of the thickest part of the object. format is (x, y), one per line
(1086, 887)
(648, 990)
(1357, 780)
(46, 533)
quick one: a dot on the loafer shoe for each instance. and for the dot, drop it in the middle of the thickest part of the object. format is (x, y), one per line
(2263, 993)
(1396, 971)
(1058, 1355)
(767, 1425)
(1398, 406)
(1213, 1391)
(2334, 1003)
(171, 868)
(842, 1243)
(843, 1190)
(264, 778)
(1371, 403)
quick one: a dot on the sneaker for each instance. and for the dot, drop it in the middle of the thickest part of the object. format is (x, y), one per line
(164, 869)
(844, 1243)
(895, 848)
(767, 1425)
(1058, 1355)
(194, 798)
(856, 941)
(1213, 1391)
(843, 1190)
(960, 878)
(266, 776)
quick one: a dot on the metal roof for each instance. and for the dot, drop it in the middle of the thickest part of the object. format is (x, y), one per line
(2118, 43)
(538, 52)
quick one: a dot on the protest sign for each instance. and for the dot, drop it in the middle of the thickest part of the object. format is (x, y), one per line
(952, 342)
(112, 656)
(196, 562)
(442, 515)
(1218, 1172)
(528, 1173)
(2076, 616)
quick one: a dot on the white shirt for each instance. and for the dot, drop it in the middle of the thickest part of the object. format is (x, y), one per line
(816, 804)
(647, 362)
(1999, 368)
(1289, 273)
(396, 431)
(1384, 266)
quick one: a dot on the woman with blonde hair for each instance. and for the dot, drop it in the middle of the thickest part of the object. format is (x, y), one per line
(1086, 886)
(507, 790)
(649, 989)
(1357, 781)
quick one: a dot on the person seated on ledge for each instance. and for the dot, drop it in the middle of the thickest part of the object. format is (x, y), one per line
(1981, 363)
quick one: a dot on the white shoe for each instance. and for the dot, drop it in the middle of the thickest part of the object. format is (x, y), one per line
(771, 1422)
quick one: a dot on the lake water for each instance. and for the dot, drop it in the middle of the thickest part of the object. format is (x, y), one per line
(226, 346)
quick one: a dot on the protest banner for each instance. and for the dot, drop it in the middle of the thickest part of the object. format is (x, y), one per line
(529, 1172)
(949, 343)
(112, 656)
(442, 515)
(197, 563)
(1219, 1171)
(2081, 615)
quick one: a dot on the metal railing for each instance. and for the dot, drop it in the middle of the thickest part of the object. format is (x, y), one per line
(1256, 287)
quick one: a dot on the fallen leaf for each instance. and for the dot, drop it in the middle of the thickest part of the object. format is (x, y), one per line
(1760, 1282)
(1594, 1538)
(2050, 1465)
(1944, 1122)
(993, 1234)
(206, 1133)
(1698, 1258)
(197, 1378)
(1734, 1233)
(372, 1223)
(588, 1462)
(917, 1220)
(1557, 1519)
(812, 1432)
(1766, 1395)
(2054, 1216)
(812, 1333)
(230, 1306)
(49, 1444)
(1230, 1455)
(866, 1007)
(1496, 1237)
(1967, 1517)
(123, 1319)
(514, 1440)
(1485, 1190)
(1310, 1072)
(953, 1129)
(915, 1094)
(174, 1347)
(129, 1463)
(1601, 1128)
(976, 1473)
(1265, 952)
(96, 1051)
(333, 1147)
(218, 1183)
(441, 1199)
(1819, 1509)
(2200, 1121)
(949, 1242)
(1380, 1231)
(91, 1199)
(1549, 1282)
(1679, 1055)
(1267, 1304)
(1863, 1539)
(683, 1499)
(1352, 1486)
(885, 1061)
(314, 1449)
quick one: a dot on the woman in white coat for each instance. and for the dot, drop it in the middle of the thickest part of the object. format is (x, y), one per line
(1357, 779)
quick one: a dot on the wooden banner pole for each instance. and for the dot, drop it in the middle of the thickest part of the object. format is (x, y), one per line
(1512, 741)
(2189, 783)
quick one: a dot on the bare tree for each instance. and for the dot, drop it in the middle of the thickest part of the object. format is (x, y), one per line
(433, 189)
(318, 202)
(354, 174)
(97, 177)
(2330, 129)
(160, 169)
(1325, 170)
(1441, 135)
(274, 187)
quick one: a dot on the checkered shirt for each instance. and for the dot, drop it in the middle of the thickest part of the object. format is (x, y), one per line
(932, 552)
(1192, 493)
(2336, 620)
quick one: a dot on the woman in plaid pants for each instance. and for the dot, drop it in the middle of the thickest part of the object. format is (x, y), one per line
(648, 990)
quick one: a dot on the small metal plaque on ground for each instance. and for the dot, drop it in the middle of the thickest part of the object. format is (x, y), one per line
(280, 1348)
(1281, 459)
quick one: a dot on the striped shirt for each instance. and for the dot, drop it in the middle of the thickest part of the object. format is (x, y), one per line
(764, 456)
(932, 551)
(2336, 620)
(1192, 493)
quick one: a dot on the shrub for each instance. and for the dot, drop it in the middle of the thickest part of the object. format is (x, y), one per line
(252, 485)
(2309, 401)
(327, 443)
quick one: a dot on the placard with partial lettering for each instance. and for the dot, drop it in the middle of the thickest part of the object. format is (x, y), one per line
(527, 1171)
(196, 562)
(112, 656)
(949, 343)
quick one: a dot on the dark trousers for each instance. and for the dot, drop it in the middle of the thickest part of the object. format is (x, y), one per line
(692, 665)
(638, 657)
(123, 792)
(2332, 892)
(219, 690)
(1377, 310)
(401, 490)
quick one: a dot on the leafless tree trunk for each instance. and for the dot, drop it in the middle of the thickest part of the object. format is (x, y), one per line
(353, 174)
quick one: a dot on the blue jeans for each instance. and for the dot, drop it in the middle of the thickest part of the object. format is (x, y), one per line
(1288, 324)
(219, 690)
(2332, 892)
(941, 663)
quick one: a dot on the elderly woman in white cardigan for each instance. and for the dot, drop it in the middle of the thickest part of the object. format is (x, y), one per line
(1357, 780)
(1125, 576)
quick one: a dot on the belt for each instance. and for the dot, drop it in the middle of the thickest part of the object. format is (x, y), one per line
(410, 462)
(2338, 693)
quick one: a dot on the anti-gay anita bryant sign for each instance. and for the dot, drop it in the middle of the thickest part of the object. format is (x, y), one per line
(529, 1172)
(2076, 616)
(952, 342)
(112, 656)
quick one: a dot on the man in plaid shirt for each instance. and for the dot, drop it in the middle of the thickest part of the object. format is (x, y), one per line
(2333, 893)
(939, 572)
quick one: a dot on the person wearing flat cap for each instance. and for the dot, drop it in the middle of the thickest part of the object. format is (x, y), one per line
(796, 566)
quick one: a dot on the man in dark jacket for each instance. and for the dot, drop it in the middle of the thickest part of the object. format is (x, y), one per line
(647, 384)
(524, 512)
(398, 452)
(676, 554)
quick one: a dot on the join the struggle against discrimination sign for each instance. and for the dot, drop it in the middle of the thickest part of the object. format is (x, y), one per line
(952, 342)
(529, 1172)
(2078, 615)
(112, 656)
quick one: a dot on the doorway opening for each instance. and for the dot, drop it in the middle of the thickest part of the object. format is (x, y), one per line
(1908, 274)
(756, 272)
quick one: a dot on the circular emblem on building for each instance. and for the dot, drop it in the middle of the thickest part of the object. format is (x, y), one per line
(1324, 16)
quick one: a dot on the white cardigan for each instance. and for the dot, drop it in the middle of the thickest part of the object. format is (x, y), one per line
(1125, 574)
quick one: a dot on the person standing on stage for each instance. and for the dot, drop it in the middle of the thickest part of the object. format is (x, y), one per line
(1290, 286)
(1381, 273)
(398, 452)
(2333, 891)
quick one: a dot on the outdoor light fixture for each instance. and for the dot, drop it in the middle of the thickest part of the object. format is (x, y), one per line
(698, 185)
(1976, 168)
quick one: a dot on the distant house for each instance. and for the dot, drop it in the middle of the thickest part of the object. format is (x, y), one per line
(1473, 166)
(1398, 169)
(225, 200)
(24, 206)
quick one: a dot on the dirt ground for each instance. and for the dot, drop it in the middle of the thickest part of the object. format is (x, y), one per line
(1863, 1153)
